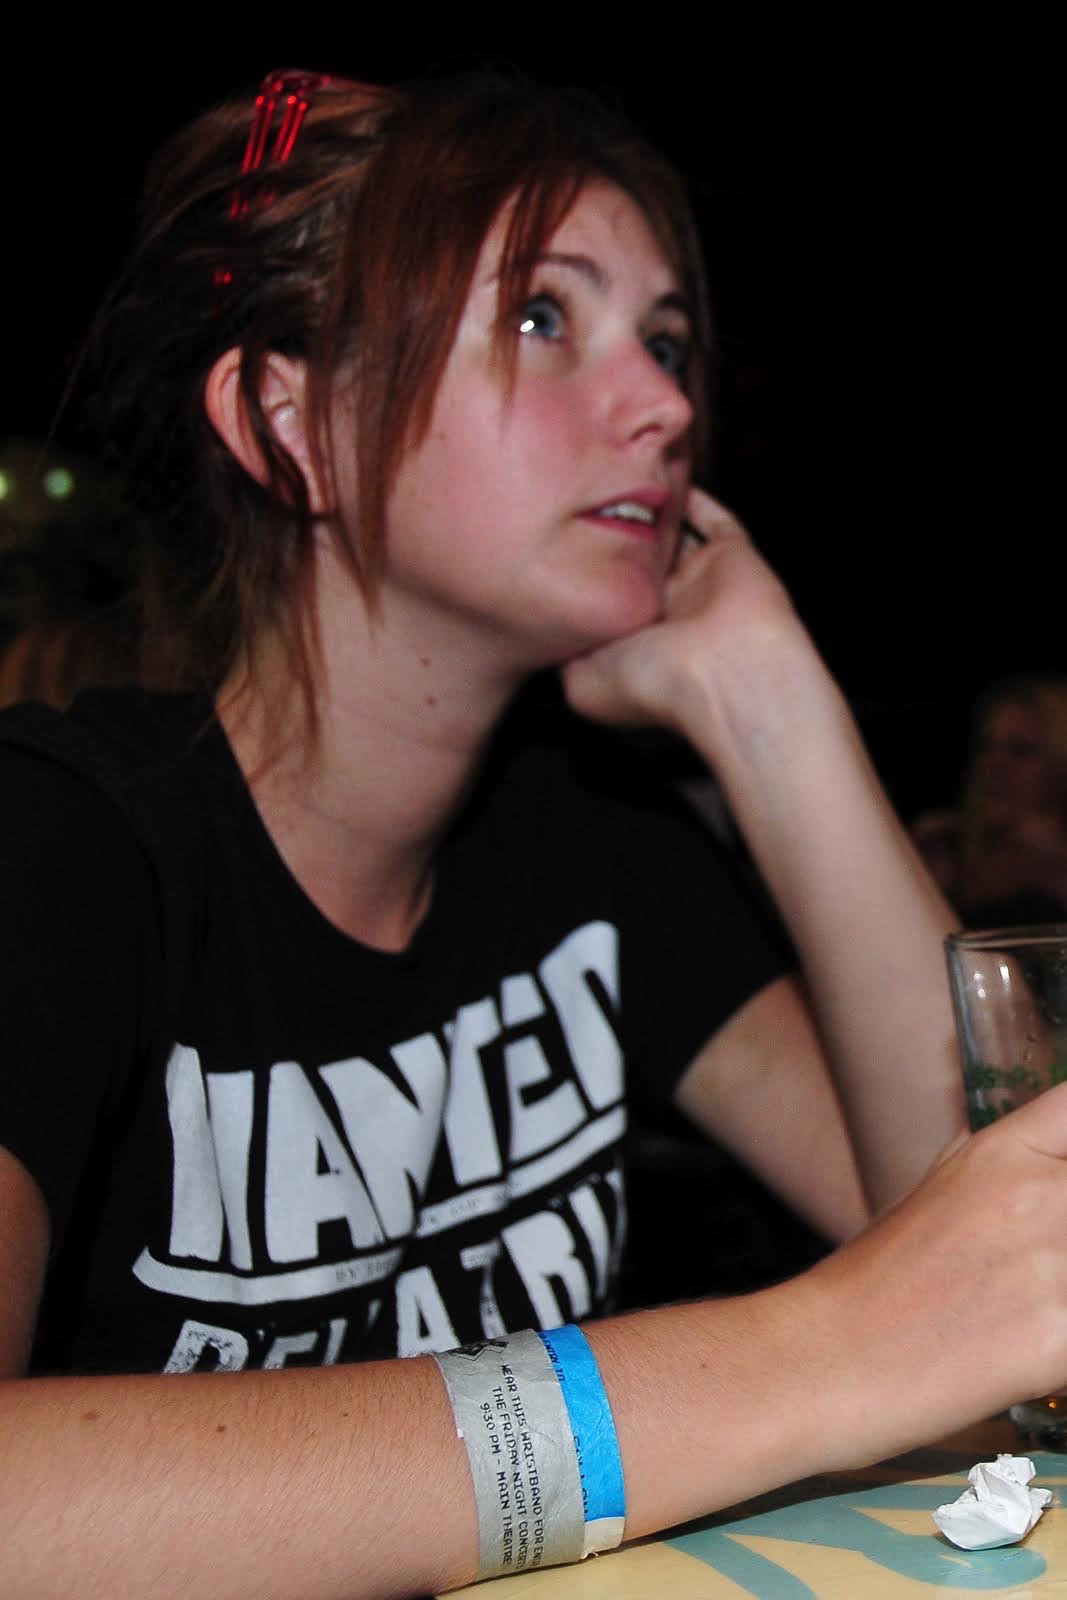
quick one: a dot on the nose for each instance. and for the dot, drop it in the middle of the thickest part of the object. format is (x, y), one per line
(645, 402)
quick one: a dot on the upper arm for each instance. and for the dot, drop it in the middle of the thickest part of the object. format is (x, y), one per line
(762, 1087)
(79, 965)
(24, 1236)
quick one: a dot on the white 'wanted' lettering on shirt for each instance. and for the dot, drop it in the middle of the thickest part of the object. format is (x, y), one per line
(543, 1248)
(352, 1148)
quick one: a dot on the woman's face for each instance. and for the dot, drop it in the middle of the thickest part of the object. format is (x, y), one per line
(545, 520)
(1017, 773)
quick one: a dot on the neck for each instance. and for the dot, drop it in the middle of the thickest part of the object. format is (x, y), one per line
(358, 798)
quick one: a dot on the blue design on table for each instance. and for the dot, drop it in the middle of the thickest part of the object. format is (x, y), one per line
(838, 1522)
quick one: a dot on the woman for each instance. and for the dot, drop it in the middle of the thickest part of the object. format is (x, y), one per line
(358, 953)
(1001, 856)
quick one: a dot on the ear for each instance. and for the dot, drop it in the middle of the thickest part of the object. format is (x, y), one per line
(282, 393)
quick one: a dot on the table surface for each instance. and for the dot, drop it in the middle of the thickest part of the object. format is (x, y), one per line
(866, 1533)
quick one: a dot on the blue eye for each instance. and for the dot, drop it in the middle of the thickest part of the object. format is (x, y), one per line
(542, 317)
(671, 353)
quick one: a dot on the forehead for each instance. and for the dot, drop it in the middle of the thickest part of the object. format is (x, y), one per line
(606, 228)
(1012, 719)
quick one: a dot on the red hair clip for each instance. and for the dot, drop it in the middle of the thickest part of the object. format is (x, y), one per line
(294, 91)
(289, 93)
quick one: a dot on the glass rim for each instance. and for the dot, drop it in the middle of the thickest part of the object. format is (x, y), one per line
(1007, 938)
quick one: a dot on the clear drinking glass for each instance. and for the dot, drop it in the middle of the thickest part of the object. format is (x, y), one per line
(1009, 991)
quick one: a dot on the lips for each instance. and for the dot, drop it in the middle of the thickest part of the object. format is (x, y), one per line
(640, 511)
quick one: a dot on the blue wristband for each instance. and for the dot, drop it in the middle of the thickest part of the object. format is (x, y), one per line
(595, 1440)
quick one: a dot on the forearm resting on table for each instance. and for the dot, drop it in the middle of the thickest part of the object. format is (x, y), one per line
(351, 1481)
(333, 1482)
(339, 1482)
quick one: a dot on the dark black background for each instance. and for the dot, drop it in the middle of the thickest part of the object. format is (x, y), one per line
(879, 202)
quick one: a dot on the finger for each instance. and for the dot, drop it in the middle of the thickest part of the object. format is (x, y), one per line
(1041, 1123)
(705, 516)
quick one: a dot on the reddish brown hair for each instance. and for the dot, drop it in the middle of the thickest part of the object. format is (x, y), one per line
(357, 254)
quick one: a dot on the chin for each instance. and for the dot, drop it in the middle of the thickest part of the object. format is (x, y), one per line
(635, 601)
(605, 624)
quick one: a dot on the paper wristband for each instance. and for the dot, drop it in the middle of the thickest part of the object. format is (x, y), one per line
(540, 1440)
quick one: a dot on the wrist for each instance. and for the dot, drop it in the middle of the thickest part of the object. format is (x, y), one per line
(748, 711)
(712, 1402)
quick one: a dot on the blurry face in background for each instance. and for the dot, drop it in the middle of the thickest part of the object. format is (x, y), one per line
(1016, 773)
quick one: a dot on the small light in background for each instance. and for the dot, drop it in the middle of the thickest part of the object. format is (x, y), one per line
(7, 485)
(59, 483)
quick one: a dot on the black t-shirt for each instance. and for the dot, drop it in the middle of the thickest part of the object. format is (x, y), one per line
(262, 1143)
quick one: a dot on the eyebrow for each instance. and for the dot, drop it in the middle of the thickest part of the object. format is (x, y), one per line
(585, 266)
(594, 274)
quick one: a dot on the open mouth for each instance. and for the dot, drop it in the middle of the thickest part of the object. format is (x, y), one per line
(642, 516)
(628, 511)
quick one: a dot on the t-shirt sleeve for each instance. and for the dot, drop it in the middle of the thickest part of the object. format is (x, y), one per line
(76, 938)
(699, 935)
(700, 938)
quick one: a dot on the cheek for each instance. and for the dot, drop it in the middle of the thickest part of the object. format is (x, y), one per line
(488, 471)
(546, 446)
(1046, 782)
(438, 483)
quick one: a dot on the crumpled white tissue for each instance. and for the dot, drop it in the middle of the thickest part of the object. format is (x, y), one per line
(997, 1509)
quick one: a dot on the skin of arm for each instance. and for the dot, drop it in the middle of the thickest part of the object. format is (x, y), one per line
(732, 668)
(762, 1088)
(24, 1238)
(350, 1481)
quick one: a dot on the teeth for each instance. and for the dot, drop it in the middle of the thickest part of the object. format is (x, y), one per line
(630, 511)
